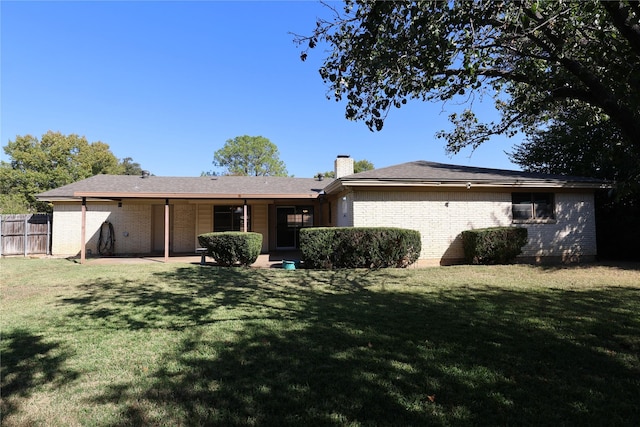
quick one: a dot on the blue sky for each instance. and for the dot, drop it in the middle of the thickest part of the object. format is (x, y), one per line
(167, 83)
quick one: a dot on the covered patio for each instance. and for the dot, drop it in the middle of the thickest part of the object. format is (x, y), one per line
(162, 217)
(271, 260)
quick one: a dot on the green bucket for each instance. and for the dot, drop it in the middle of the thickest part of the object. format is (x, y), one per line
(289, 265)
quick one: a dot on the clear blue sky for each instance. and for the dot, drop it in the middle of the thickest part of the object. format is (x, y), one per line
(167, 83)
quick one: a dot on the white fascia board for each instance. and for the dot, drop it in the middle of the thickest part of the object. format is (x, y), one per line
(470, 184)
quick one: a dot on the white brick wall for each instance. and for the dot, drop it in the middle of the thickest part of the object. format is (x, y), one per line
(440, 217)
(131, 223)
(572, 236)
(66, 230)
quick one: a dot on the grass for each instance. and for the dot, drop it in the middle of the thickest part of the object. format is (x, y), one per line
(179, 344)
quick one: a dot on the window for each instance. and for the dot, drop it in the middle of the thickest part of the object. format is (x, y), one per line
(532, 206)
(230, 218)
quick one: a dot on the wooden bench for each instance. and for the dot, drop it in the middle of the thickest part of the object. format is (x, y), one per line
(203, 255)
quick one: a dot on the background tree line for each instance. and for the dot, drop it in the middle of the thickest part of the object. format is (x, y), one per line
(40, 164)
(258, 156)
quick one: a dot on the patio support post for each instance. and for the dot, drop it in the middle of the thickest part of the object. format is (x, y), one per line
(166, 230)
(83, 232)
(244, 216)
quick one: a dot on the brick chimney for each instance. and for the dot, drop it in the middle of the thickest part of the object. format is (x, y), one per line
(343, 165)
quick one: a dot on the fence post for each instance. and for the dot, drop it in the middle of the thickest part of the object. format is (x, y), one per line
(1, 240)
(26, 235)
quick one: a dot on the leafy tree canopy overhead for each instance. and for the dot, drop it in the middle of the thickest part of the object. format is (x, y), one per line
(531, 56)
(250, 155)
(38, 165)
(580, 141)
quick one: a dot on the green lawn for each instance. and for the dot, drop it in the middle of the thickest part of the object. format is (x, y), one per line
(179, 344)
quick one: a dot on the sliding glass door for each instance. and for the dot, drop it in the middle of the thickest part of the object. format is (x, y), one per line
(289, 221)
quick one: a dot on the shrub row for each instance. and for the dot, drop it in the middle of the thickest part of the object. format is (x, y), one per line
(232, 247)
(498, 245)
(359, 247)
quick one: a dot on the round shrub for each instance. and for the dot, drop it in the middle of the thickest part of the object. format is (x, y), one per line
(232, 247)
(496, 245)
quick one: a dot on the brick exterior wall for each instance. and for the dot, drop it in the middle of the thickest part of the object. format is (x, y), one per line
(131, 223)
(440, 217)
(571, 237)
(184, 228)
(343, 166)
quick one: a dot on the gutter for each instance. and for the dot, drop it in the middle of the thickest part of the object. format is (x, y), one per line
(340, 184)
(117, 196)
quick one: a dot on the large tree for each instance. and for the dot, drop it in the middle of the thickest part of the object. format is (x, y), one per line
(532, 56)
(38, 165)
(581, 140)
(250, 155)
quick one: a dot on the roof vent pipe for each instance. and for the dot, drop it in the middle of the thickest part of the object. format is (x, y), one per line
(145, 174)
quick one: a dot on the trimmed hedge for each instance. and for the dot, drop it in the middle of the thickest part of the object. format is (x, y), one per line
(232, 247)
(359, 247)
(497, 245)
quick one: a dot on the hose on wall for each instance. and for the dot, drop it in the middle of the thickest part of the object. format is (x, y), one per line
(107, 239)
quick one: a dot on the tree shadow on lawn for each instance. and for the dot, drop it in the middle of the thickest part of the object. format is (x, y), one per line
(28, 363)
(326, 348)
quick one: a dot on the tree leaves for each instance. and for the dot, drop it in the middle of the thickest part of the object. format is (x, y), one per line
(530, 55)
(250, 155)
(52, 161)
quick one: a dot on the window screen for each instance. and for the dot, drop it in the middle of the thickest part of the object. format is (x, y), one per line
(529, 206)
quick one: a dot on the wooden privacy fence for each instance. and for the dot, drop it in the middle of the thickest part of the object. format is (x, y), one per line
(25, 234)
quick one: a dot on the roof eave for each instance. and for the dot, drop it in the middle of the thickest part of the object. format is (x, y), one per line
(174, 195)
(467, 184)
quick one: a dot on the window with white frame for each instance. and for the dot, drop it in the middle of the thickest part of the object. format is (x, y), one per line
(532, 206)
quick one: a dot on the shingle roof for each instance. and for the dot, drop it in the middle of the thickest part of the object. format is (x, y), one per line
(431, 174)
(122, 186)
(431, 171)
(411, 173)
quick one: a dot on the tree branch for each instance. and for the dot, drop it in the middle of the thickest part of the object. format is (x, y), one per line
(621, 18)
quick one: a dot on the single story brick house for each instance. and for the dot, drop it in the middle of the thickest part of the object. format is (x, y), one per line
(164, 215)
